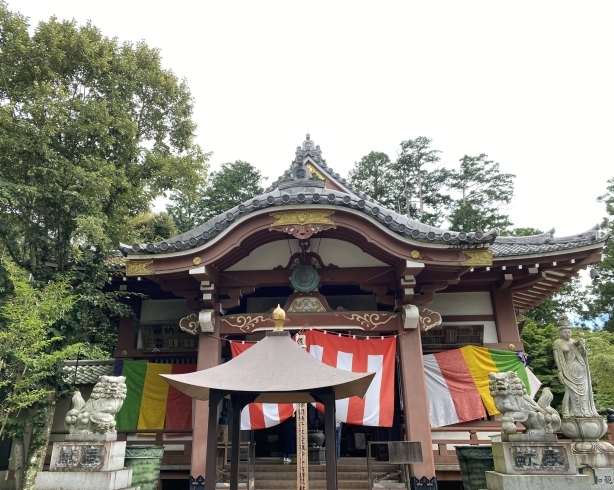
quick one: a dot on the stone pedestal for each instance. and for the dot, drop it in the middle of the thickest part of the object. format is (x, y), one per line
(529, 462)
(316, 455)
(78, 465)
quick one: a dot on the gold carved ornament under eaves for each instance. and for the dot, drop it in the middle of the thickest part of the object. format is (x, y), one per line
(302, 218)
(306, 305)
(138, 268)
(478, 257)
(313, 170)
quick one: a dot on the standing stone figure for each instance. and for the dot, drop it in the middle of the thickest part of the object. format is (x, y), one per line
(574, 374)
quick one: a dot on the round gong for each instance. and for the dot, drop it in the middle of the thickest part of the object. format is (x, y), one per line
(304, 278)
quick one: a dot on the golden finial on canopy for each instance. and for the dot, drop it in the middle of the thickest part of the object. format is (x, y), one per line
(279, 318)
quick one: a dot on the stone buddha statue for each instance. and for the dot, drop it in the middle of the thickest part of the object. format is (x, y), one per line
(574, 373)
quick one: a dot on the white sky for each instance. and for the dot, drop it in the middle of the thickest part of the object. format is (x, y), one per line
(531, 84)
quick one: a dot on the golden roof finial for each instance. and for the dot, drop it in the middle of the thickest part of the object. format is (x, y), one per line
(279, 318)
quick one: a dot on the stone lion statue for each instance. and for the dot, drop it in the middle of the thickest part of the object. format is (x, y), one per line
(97, 415)
(511, 399)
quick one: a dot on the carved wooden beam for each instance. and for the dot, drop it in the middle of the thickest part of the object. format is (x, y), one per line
(528, 281)
(506, 282)
(427, 292)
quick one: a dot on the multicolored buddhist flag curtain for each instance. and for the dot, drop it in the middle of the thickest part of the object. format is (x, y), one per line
(260, 415)
(457, 382)
(150, 402)
(371, 355)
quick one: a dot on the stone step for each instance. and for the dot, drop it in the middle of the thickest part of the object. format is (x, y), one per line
(315, 484)
(341, 468)
(313, 475)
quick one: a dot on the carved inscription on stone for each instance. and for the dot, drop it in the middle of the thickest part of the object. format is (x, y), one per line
(90, 457)
(533, 458)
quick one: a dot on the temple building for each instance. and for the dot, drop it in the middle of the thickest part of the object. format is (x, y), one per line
(336, 261)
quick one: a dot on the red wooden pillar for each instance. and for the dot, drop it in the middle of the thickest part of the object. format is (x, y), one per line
(415, 405)
(505, 316)
(209, 352)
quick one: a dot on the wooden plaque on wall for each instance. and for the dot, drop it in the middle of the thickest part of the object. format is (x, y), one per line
(167, 338)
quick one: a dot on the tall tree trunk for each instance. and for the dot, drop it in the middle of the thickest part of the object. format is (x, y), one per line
(18, 459)
(420, 194)
(39, 441)
(407, 201)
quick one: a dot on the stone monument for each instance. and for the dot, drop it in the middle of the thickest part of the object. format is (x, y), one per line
(535, 458)
(581, 422)
(91, 457)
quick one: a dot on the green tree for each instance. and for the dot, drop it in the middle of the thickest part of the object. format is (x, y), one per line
(91, 131)
(373, 176)
(31, 356)
(230, 186)
(417, 187)
(483, 191)
(538, 338)
(601, 306)
(150, 227)
(88, 127)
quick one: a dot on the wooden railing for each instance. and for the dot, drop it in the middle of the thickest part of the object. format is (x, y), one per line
(170, 457)
(445, 453)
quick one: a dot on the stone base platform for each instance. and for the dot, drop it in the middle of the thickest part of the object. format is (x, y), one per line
(80, 480)
(71, 456)
(499, 481)
(534, 458)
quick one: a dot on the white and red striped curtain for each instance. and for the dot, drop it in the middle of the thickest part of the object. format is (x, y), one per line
(370, 355)
(260, 415)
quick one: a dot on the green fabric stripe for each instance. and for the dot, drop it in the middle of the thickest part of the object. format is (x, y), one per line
(128, 416)
(509, 361)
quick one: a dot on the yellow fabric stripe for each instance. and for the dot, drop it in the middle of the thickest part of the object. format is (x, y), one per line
(155, 393)
(480, 363)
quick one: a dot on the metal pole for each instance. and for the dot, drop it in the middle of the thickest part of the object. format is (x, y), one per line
(329, 432)
(236, 443)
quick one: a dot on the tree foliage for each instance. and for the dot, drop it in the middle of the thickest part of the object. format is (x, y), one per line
(414, 185)
(230, 186)
(483, 191)
(373, 176)
(418, 188)
(601, 306)
(88, 127)
(30, 353)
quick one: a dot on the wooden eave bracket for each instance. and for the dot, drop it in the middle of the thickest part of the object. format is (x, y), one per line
(408, 268)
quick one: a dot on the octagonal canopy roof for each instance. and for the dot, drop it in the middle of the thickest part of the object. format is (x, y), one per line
(278, 370)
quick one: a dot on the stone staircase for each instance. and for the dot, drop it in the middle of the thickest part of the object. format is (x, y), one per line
(351, 474)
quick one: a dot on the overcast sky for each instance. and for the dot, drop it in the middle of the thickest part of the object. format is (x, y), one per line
(531, 84)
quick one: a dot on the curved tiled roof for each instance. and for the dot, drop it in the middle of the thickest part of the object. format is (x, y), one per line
(545, 243)
(294, 188)
(86, 372)
(403, 226)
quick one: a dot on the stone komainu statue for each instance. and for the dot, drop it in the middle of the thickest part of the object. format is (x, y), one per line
(511, 399)
(97, 415)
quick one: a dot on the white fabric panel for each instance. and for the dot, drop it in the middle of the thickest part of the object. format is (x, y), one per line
(373, 397)
(344, 361)
(317, 351)
(534, 383)
(271, 414)
(245, 419)
(441, 406)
